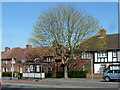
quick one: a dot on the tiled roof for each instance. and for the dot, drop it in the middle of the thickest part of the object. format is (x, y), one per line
(30, 54)
(111, 43)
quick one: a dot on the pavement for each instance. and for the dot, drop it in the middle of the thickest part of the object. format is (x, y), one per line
(59, 83)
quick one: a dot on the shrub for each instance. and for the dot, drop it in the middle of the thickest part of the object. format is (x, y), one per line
(72, 74)
(9, 74)
(87, 71)
(59, 74)
(76, 74)
(48, 75)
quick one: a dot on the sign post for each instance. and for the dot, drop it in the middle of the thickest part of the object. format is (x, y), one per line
(91, 68)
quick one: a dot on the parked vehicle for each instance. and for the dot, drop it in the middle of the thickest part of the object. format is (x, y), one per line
(111, 75)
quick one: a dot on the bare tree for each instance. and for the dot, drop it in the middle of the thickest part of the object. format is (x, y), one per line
(64, 27)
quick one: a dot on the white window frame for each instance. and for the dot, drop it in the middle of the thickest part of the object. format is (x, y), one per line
(49, 59)
(13, 61)
(37, 68)
(3, 69)
(6, 61)
(114, 53)
(102, 54)
(21, 70)
(86, 55)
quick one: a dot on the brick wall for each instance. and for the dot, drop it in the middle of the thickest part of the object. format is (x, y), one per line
(97, 75)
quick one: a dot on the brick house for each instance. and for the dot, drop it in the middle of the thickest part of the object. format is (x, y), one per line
(53, 64)
(107, 58)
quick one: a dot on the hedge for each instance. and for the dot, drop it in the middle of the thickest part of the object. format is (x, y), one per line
(59, 74)
(48, 75)
(72, 74)
(9, 74)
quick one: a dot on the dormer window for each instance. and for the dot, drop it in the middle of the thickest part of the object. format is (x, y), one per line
(49, 59)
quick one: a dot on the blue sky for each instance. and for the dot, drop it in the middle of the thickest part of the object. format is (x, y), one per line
(18, 18)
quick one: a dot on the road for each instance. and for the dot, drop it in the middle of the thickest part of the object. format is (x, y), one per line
(60, 83)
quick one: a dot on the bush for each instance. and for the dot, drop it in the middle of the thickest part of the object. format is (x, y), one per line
(87, 71)
(76, 74)
(48, 75)
(72, 74)
(59, 74)
(9, 74)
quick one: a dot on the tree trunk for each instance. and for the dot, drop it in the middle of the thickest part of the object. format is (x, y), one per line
(65, 71)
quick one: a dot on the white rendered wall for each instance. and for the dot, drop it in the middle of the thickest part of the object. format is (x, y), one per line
(96, 68)
(95, 56)
(109, 56)
(118, 55)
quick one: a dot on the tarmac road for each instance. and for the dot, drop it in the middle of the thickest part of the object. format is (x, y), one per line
(59, 83)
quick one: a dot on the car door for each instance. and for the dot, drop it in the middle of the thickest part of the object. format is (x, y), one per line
(118, 71)
(115, 74)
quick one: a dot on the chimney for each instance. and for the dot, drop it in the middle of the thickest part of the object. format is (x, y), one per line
(7, 49)
(102, 33)
(28, 46)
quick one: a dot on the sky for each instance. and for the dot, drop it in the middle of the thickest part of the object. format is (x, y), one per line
(18, 18)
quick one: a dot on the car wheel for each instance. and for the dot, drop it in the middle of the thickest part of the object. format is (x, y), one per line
(107, 79)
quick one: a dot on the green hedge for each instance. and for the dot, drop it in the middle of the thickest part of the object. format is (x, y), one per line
(9, 74)
(59, 74)
(48, 75)
(72, 74)
(76, 74)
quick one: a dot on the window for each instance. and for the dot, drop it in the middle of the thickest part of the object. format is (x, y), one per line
(85, 67)
(6, 61)
(3, 61)
(86, 55)
(37, 68)
(75, 56)
(31, 68)
(114, 53)
(28, 69)
(102, 54)
(49, 69)
(6, 69)
(112, 71)
(3, 69)
(13, 61)
(49, 59)
(21, 71)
